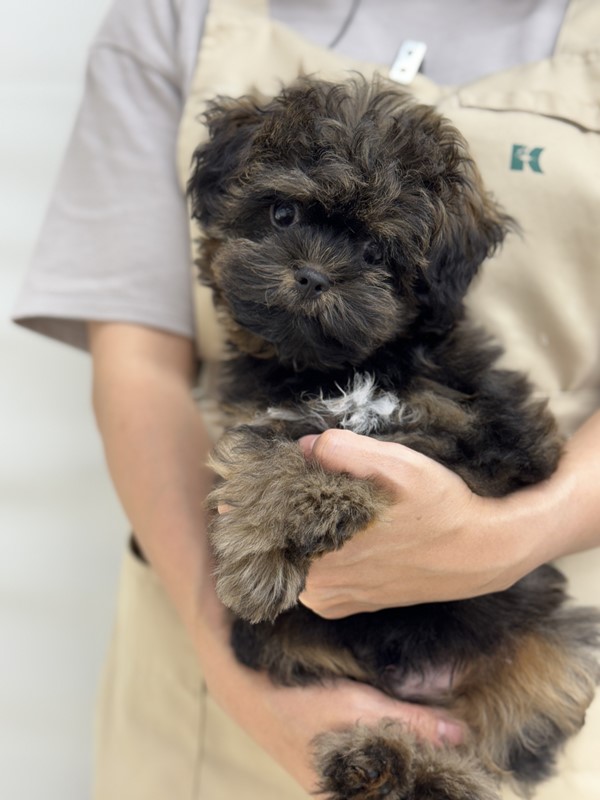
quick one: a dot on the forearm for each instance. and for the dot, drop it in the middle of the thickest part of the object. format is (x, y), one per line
(562, 515)
(156, 448)
(582, 462)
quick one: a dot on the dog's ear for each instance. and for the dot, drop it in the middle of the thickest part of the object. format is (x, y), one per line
(468, 228)
(232, 125)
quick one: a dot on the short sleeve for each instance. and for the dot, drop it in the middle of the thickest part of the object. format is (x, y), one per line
(115, 242)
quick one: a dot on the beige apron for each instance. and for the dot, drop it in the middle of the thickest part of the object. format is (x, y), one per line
(534, 133)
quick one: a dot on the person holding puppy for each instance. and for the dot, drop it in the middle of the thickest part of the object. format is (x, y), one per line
(539, 296)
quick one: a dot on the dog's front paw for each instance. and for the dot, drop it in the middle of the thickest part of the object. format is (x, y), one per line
(256, 584)
(280, 512)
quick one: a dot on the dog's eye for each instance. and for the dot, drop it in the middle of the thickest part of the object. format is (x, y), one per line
(372, 253)
(284, 214)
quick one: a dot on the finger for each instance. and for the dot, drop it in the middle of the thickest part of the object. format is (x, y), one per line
(307, 443)
(362, 456)
(223, 508)
(326, 607)
(431, 726)
(338, 608)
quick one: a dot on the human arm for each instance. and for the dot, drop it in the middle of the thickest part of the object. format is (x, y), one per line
(156, 447)
(440, 541)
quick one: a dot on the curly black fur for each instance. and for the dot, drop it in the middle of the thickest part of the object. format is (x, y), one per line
(343, 224)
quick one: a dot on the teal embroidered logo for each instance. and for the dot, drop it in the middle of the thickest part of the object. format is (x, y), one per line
(522, 155)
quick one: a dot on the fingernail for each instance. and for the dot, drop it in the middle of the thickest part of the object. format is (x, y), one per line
(307, 443)
(450, 732)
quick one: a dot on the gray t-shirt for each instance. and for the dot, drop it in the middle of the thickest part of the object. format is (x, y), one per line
(114, 245)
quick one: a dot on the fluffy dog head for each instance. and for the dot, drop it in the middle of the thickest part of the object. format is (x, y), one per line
(337, 218)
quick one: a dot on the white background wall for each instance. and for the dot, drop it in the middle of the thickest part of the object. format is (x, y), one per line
(61, 530)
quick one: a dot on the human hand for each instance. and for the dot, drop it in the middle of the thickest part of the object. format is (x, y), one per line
(285, 720)
(432, 545)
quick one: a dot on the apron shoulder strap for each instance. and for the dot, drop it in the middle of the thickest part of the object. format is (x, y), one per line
(580, 32)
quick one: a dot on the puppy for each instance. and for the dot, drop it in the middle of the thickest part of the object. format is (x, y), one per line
(342, 225)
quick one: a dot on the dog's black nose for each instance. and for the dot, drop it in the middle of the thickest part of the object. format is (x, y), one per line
(311, 282)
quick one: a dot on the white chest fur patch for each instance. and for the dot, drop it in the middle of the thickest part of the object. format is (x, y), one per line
(360, 407)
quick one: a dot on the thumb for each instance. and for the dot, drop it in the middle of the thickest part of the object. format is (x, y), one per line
(343, 451)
